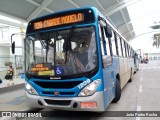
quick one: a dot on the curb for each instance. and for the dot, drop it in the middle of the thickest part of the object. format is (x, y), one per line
(12, 88)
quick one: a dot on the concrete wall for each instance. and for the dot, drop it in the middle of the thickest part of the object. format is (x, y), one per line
(154, 56)
(4, 50)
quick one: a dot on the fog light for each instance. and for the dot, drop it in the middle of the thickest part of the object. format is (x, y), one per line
(88, 104)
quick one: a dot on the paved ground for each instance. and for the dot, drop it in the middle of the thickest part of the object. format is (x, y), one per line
(140, 95)
(16, 80)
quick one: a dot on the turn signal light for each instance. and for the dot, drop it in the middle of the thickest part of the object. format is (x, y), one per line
(88, 104)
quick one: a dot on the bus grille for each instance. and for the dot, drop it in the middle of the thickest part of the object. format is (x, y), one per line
(58, 102)
(58, 85)
(60, 93)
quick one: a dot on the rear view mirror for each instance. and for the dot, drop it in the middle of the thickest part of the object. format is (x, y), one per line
(13, 41)
(13, 47)
(108, 31)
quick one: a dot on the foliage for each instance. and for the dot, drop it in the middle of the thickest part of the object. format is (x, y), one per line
(20, 67)
(7, 63)
(156, 40)
(156, 37)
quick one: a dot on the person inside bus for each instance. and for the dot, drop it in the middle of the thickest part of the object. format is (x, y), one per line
(83, 53)
(83, 48)
(50, 56)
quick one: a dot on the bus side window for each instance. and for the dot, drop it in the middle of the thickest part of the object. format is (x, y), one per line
(123, 48)
(131, 52)
(132, 55)
(105, 48)
(113, 44)
(101, 40)
(129, 49)
(126, 48)
(119, 46)
(108, 46)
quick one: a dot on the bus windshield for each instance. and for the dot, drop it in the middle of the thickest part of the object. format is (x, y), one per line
(61, 53)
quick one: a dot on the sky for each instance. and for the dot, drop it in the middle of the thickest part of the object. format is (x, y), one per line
(144, 14)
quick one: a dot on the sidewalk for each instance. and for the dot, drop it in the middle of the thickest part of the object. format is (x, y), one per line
(18, 84)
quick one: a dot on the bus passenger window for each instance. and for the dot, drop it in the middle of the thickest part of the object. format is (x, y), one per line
(101, 40)
(131, 52)
(107, 45)
(119, 46)
(105, 49)
(123, 48)
(129, 48)
(126, 48)
(113, 44)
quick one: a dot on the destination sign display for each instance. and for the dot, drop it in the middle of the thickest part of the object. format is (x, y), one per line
(40, 67)
(67, 19)
(61, 19)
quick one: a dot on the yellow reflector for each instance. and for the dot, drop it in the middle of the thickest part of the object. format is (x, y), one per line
(88, 104)
(51, 72)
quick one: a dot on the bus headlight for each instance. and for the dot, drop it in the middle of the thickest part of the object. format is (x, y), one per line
(90, 89)
(30, 89)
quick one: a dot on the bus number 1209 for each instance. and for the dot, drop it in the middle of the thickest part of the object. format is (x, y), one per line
(83, 84)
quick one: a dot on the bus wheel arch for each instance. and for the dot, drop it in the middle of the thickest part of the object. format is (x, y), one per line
(117, 90)
(131, 75)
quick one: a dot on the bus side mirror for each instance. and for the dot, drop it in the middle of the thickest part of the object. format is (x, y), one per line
(108, 31)
(13, 47)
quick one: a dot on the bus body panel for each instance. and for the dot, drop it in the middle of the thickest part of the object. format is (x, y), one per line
(108, 80)
(123, 77)
(32, 101)
(109, 77)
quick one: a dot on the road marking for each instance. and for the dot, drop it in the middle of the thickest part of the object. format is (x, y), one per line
(150, 68)
(140, 88)
(27, 109)
(138, 118)
(138, 109)
(141, 78)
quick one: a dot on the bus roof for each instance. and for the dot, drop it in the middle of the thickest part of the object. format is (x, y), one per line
(69, 11)
(64, 11)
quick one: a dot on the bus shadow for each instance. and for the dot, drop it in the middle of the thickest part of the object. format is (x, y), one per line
(75, 115)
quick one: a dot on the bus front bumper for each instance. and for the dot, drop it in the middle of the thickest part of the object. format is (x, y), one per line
(89, 103)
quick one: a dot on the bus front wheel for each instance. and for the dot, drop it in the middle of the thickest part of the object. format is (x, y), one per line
(117, 92)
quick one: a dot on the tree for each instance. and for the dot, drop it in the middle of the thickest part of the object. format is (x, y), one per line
(156, 40)
(156, 37)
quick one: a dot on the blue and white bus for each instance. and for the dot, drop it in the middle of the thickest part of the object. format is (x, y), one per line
(75, 60)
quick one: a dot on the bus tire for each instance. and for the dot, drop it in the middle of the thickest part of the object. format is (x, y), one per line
(117, 92)
(131, 75)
